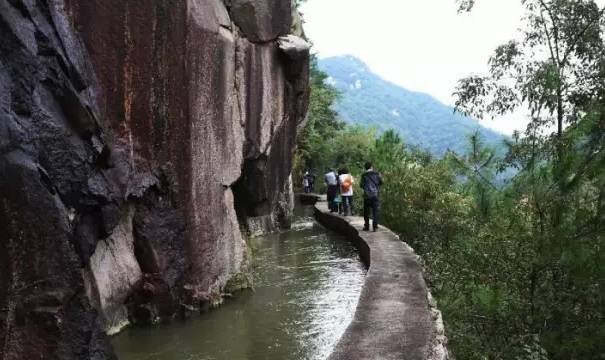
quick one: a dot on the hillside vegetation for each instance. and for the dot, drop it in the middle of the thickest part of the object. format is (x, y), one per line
(518, 270)
(423, 121)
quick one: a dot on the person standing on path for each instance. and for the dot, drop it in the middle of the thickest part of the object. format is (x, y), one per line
(371, 181)
(307, 182)
(312, 182)
(332, 189)
(346, 191)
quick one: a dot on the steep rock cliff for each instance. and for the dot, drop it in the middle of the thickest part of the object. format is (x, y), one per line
(140, 142)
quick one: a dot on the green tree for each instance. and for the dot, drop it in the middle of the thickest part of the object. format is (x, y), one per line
(478, 169)
(352, 148)
(555, 69)
(314, 149)
(388, 150)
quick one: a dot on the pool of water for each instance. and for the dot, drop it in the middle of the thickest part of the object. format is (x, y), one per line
(307, 284)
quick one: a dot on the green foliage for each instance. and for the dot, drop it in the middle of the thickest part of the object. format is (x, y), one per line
(477, 168)
(518, 271)
(350, 148)
(519, 268)
(555, 70)
(553, 210)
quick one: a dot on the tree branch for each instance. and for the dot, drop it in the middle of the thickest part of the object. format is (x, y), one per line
(581, 33)
(555, 25)
(549, 40)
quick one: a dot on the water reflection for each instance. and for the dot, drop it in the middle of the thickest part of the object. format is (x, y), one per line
(307, 283)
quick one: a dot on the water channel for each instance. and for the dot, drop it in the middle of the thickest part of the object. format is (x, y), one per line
(307, 284)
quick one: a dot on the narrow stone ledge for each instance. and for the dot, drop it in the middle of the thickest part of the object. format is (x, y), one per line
(395, 318)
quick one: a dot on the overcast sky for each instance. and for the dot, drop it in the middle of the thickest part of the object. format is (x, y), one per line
(423, 45)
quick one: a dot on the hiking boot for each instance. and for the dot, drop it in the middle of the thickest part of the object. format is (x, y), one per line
(366, 228)
(375, 228)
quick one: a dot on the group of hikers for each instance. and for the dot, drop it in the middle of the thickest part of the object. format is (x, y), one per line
(340, 193)
(308, 182)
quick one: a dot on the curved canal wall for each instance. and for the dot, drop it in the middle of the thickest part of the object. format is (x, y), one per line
(396, 317)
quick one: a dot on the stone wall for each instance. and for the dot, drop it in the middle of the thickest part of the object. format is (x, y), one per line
(140, 142)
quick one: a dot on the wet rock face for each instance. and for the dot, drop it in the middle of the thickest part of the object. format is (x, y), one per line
(137, 141)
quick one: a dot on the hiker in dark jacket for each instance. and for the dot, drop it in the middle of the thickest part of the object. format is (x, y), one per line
(370, 183)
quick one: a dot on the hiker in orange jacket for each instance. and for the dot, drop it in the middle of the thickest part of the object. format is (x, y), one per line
(346, 182)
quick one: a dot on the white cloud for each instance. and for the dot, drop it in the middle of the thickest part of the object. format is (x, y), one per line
(330, 81)
(423, 45)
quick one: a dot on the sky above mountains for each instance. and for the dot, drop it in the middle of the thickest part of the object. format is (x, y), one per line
(422, 45)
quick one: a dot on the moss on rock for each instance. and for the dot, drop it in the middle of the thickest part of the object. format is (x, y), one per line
(239, 281)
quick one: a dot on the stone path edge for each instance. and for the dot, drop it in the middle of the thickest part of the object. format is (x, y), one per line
(396, 317)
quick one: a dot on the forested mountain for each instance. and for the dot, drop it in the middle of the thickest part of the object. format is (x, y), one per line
(517, 269)
(421, 119)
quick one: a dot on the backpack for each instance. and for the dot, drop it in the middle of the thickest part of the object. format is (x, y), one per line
(370, 186)
(346, 184)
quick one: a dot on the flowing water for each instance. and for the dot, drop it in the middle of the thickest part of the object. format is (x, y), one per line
(307, 283)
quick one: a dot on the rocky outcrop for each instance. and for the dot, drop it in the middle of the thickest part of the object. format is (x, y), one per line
(262, 20)
(140, 142)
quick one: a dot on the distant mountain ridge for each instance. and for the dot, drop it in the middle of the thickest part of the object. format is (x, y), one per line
(422, 120)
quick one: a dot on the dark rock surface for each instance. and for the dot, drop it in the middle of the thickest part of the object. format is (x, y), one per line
(396, 317)
(262, 20)
(309, 199)
(139, 141)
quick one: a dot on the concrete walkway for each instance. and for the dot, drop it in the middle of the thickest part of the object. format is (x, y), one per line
(394, 317)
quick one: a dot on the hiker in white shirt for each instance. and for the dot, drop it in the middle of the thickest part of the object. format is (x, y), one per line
(305, 182)
(346, 182)
(331, 189)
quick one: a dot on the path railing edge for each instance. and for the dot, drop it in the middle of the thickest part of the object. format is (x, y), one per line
(437, 348)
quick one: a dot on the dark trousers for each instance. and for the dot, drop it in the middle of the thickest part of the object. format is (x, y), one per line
(347, 205)
(371, 204)
(332, 190)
